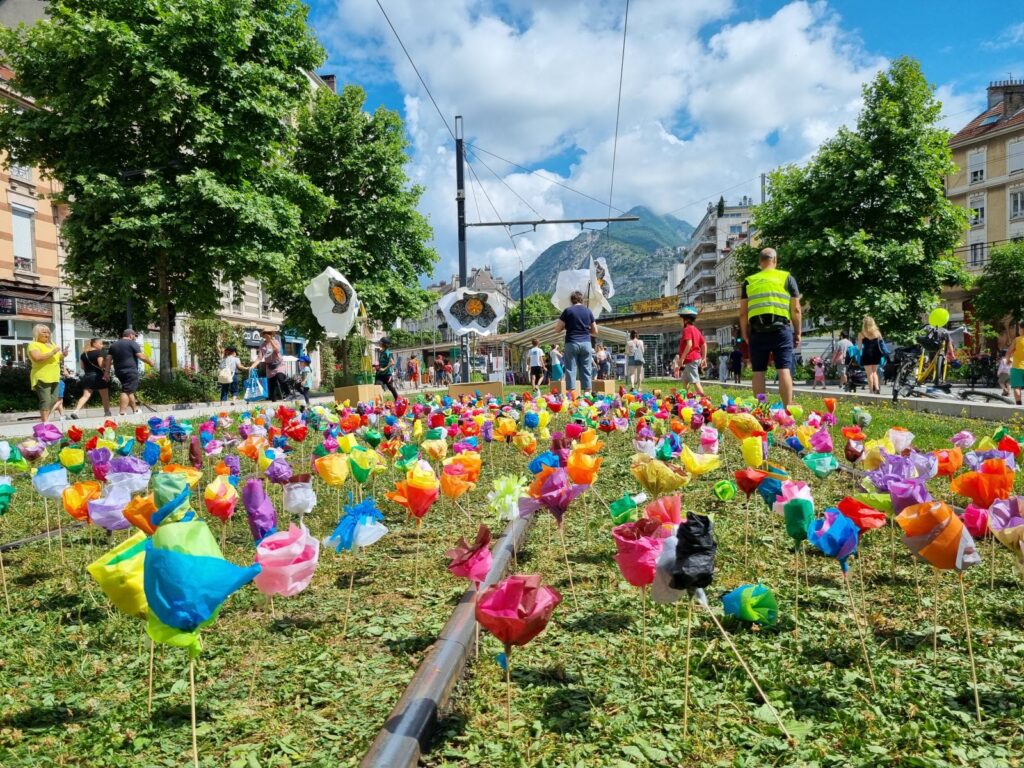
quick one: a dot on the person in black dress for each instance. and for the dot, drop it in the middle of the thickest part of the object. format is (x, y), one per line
(93, 377)
(871, 352)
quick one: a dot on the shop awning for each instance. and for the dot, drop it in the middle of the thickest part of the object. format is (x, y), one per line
(547, 334)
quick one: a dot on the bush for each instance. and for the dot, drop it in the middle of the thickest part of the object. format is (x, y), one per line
(15, 391)
(186, 386)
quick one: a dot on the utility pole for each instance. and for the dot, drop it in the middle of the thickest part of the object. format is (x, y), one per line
(522, 301)
(763, 182)
(460, 202)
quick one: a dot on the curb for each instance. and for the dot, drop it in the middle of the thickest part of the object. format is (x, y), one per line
(407, 731)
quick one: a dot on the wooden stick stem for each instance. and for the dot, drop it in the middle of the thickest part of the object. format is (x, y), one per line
(568, 568)
(192, 687)
(149, 700)
(736, 653)
(686, 684)
(970, 648)
(860, 631)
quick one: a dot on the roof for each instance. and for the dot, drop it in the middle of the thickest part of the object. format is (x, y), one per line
(547, 334)
(975, 128)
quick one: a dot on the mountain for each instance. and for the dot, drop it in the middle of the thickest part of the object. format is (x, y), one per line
(638, 253)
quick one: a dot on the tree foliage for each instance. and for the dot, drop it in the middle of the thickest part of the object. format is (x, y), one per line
(167, 124)
(538, 310)
(865, 227)
(373, 232)
(207, 337)
(1000, 296)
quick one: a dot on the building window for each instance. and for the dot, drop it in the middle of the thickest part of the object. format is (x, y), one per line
(735, 229)
(1017, 204)
(1015, 156)
(978, 215)
(24, 230)
(21, 172)
(977, 254)
(976, 167)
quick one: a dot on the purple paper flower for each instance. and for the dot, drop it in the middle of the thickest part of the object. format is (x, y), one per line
(131, 465)
(555, 495)
(234, 464)
(963, 440)
(487, 431)
(279, 471)
(99, 456)
(47, 434)
(259, 510)
(926, 464)
(974, 459)
(893, 467)
(906, 493)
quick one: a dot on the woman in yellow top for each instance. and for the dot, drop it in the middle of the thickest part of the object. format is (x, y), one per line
(46, 360)
(1015, 357)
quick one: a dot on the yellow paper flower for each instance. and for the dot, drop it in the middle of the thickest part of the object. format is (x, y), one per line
(873, 458)
(699, 464)
(332, 468)
(657, 477)
(347, 442)
(435, 449)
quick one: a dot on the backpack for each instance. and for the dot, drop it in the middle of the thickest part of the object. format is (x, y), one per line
(933, 339)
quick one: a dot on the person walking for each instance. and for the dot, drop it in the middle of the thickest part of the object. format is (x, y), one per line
(579, 325)
(227, 373)
(723, 367)
(635, 362)
(736, 363)
(414, 371)
(871, 352)
(770, 322)
(535, 359)
(557, 373)
(604, 365)
(45, 373)
(385, 362)
(269, 353)
(93, 360)
(123, 357)
(305, 376)
(839, 356)
(693, 348)
(1015, 356)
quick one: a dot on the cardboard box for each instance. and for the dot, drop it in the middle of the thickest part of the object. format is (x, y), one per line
(357, 393)
(493, 388)
(605, 386)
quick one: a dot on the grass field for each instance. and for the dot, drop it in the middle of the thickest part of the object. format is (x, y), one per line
(289, 690)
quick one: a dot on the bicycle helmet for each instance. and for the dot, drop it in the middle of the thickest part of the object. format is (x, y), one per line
(687, 310)
(305, 359)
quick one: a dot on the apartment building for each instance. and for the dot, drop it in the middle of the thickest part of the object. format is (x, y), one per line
(989, 182)
(715, 235)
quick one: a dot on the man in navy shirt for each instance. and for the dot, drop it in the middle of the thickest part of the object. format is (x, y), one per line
(579, 325)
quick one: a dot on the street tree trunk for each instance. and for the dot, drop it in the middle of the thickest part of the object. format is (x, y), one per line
(164, 291)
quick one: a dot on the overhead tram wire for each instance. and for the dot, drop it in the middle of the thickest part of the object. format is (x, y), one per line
(508, 229)
(509, 188)
(416, 70)
(539, 175)
(618, 113)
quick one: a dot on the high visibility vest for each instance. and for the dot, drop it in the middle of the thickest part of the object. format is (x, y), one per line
(766, 293)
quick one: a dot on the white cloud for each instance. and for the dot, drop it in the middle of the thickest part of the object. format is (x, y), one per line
(709, 102)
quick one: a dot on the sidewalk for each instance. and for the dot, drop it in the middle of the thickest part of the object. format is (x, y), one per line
(14, 425)
(951, 405)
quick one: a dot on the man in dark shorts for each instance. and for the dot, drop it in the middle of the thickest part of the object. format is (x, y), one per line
(579, 325)
(123, 356)
(770, 322)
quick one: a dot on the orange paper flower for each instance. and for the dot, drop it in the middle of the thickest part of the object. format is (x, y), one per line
(993, 481)
(138, 512)
(583, 467)
(455, 481)
(76, 498)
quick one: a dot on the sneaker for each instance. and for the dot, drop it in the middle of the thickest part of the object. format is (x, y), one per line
(72, 415)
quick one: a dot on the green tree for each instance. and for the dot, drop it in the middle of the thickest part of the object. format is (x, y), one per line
(1000, 296)
(207, 337)
(167, 124)
(865, 227)
(720, 211)
(538, 310)
(373, 233)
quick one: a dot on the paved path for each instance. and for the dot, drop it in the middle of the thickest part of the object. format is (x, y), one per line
(20, 424)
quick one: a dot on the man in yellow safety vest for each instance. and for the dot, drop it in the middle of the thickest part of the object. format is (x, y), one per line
(770, 322)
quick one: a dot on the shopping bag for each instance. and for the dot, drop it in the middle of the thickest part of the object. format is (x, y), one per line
(255, 388)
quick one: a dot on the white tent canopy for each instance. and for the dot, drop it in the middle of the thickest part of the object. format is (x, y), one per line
(547, 334)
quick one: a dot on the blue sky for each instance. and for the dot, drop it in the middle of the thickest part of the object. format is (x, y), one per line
(714, 93)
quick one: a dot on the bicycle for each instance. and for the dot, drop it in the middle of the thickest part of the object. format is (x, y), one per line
(983, 369)
(923, 376)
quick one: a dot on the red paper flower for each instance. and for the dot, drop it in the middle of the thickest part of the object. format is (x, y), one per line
(517, 610)
(864, 517)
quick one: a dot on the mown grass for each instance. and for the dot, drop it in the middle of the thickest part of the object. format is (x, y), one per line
(588, 692)
(291, 691)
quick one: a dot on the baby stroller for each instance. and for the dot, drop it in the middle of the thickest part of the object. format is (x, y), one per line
(856, 376)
